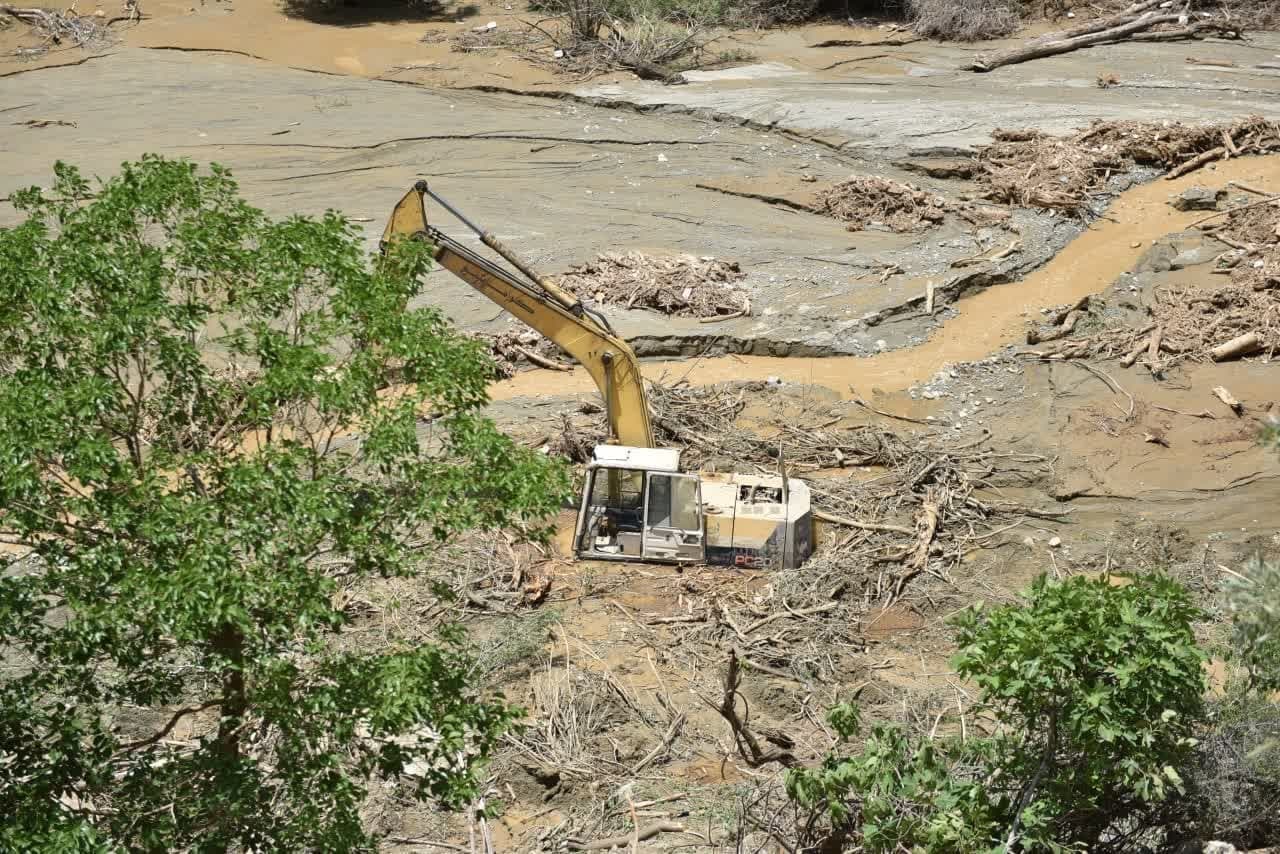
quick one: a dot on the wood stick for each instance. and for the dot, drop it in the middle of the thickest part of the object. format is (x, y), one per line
(623, 840)
(1229, 144)
(1153, 349)
(541, 361)
(1223, 395)
(1196, 162)
(1065, 43)
(928, 299)
(1248, 188)
(1241, 345)
(1132, 355)
(669, 736)
(863, 526)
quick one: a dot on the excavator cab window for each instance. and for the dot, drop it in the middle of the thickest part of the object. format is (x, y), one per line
(614, 512)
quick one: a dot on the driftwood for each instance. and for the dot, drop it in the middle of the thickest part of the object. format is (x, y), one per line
(626, 840)
(1241, 345)
(746, 741)
(1225, 396)
(1129, 24)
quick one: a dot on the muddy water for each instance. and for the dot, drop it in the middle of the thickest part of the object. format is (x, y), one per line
(987, 321)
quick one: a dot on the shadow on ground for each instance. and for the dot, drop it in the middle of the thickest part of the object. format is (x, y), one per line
(359, 13)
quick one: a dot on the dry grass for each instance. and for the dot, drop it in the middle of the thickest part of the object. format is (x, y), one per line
(964, 20)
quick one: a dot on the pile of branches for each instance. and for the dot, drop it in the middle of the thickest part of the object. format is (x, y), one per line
(1031, 168)
(679, 286)
(1187, 324)
(67, 27)
(485, 38)
(865, 200)
(595, 41)
(1253, 233)
(1145, 20)
(513, 347)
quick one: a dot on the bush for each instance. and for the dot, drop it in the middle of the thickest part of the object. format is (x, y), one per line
(1096, 691)
(964, 20)
(1236, 779)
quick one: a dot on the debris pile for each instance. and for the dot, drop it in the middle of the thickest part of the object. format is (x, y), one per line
(58, 28)
(513, 346)
(490, 37)
(679, 286)
(1253, 233)
(1031, 168)
(1188, 324)
(866, 200)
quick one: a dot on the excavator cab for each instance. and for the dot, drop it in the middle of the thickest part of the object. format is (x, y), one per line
(636, 505)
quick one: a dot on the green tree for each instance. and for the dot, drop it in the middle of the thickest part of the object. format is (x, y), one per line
(199, 449)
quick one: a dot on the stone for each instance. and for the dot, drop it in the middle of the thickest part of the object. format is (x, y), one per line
(1055, 542)
(1198, 199)
(1157, 259)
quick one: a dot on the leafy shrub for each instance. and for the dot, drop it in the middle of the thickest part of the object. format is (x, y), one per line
(1255, 612)
(1099, 692)
(1096, 691)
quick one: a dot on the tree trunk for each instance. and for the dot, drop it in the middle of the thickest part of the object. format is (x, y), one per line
(230, 643)
(1042, 48)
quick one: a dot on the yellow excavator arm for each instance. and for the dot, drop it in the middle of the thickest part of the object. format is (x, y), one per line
(555, 313)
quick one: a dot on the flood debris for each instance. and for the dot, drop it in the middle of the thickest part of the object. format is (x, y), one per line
(1035, 169)
(514, 347)
(57, 28)
(864, 201)
(676, 285)
(1146, 20)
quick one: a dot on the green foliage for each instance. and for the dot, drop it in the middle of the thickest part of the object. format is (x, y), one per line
(1099, 689)
(1096, 692)
(198, 448)
(900, 793)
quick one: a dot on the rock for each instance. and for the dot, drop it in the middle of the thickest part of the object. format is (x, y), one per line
(1055, 542)
(1157, 259)
(1028, 542)
(1198, 199)
(1219, 848)
(1191, 258)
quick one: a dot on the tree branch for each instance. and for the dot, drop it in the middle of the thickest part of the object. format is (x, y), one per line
(173, 722)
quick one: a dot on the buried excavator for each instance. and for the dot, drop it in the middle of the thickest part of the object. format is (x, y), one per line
(636, 503)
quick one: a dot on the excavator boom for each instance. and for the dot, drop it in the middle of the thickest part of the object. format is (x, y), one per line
(544, 306)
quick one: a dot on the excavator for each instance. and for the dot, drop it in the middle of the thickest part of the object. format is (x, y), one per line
(636, 503)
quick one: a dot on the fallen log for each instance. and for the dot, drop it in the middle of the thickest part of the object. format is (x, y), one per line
(1241, 345)
(1119, 28)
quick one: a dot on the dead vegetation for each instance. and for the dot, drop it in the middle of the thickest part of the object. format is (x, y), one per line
(1035, 169)
(513, 347)
(1235, 320)
(964, 20)
(68, 27)
(863, 201)
(678, 285)
(1145, 20)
